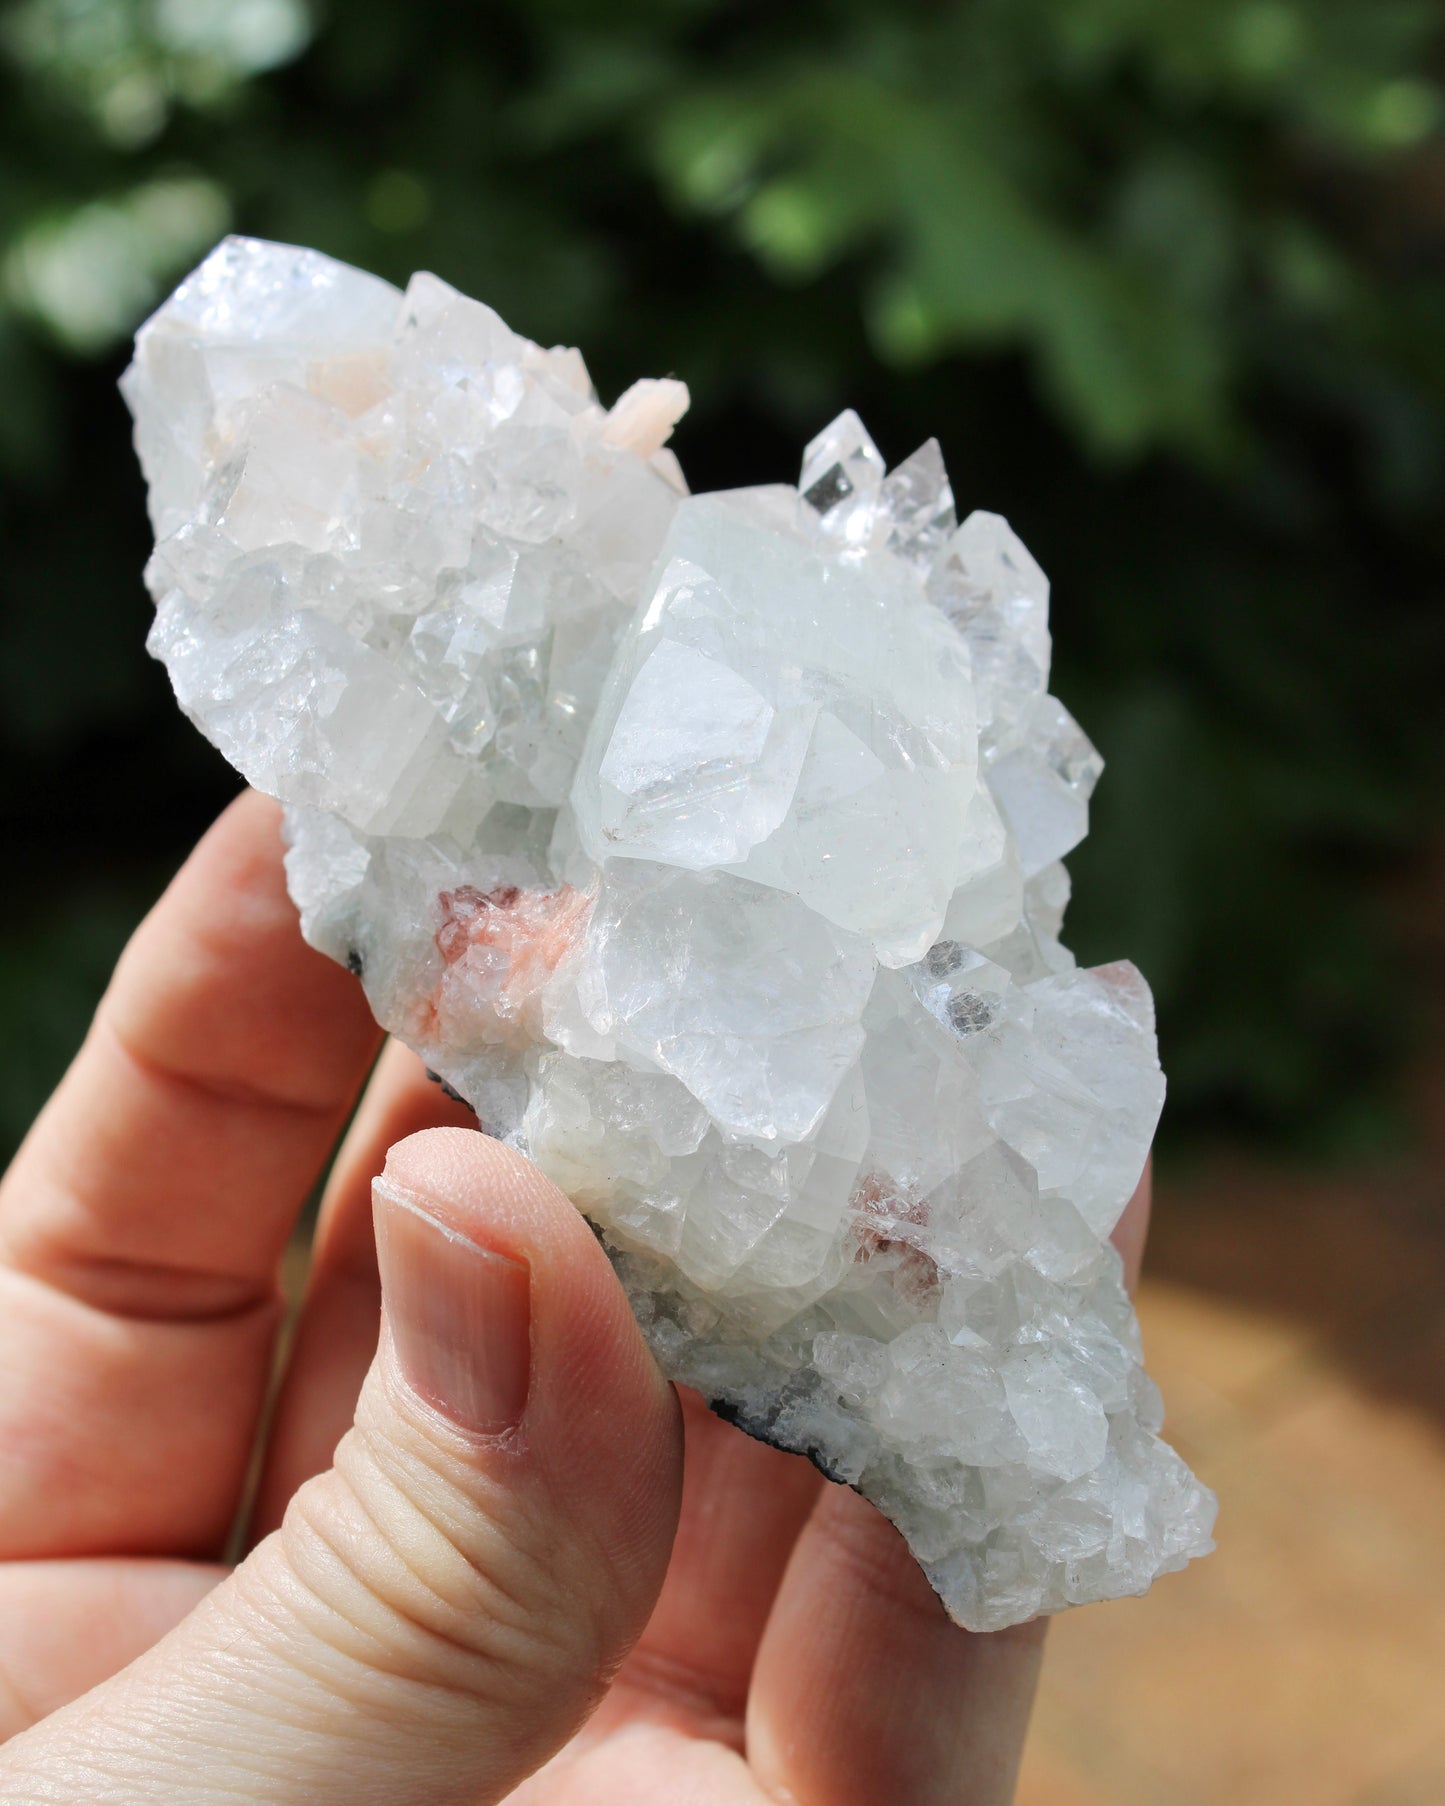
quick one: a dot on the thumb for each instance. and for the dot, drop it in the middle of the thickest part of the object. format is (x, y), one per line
(439, 1612)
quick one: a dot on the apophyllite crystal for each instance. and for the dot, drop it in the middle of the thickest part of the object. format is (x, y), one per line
(709, 847)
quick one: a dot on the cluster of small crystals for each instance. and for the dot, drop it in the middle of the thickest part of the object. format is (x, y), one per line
(709, 847)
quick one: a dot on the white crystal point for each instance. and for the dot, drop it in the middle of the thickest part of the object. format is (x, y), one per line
(251, 310)
(842, 477)
(991, 588)
(805, 720)
(1042, 785)
(709, 847)
(472, 343)
(917, 499)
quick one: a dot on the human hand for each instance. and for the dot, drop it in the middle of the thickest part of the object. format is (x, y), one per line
(510, 1532)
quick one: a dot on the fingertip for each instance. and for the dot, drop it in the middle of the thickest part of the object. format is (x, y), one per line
(242, 852)
(464, 1165)
(490, 1193)
(255, 805)
(600, 1388)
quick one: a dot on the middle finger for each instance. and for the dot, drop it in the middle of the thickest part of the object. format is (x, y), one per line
(743, 1506)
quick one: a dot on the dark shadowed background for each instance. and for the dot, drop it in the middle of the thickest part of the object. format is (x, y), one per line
(1165, 277)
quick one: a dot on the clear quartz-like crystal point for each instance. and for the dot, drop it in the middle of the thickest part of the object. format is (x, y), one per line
(709, 848)
(1042, 785)
(991, 588)
(842, 477)
(917, 500)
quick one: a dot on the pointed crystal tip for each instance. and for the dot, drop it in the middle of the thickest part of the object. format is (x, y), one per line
(840, 462)
(918, 499)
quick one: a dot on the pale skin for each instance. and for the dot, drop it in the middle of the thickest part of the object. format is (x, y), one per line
(617, 1598)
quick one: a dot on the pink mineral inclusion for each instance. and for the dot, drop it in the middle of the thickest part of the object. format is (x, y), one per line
(499, 947)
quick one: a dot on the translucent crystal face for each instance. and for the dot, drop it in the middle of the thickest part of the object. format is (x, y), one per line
(709, 847)
(803, 719)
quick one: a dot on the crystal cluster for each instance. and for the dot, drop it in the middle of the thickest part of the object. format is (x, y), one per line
(709, 847)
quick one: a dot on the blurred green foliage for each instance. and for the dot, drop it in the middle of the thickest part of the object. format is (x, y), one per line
(1164, 276)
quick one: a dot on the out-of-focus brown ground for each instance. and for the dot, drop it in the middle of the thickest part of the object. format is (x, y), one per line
(1296, 1324)
(1297, 1328)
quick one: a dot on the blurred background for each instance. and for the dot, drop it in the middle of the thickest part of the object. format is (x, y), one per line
(1167, 280)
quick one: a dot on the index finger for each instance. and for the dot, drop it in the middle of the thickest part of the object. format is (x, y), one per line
(142, 1223)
